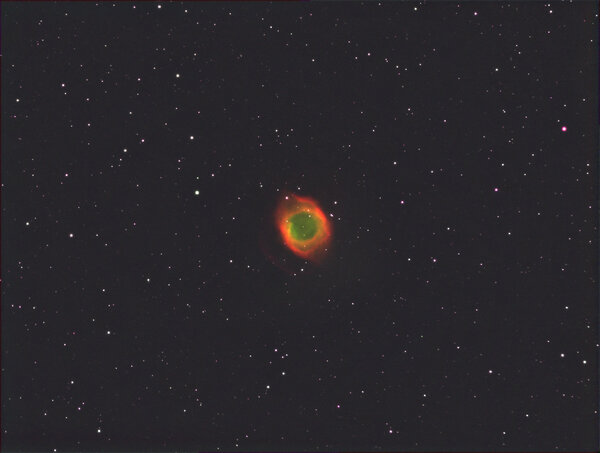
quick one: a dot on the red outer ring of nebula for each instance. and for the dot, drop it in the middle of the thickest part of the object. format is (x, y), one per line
(291, 205)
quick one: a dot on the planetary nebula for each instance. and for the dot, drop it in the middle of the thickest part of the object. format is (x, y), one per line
(304, 227)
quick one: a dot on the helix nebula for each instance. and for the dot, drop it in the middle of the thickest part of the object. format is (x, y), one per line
(304, 228)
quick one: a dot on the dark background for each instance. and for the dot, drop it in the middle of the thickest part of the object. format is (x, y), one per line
(457, 307)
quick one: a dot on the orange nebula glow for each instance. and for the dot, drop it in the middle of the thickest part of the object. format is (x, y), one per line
(314, 247)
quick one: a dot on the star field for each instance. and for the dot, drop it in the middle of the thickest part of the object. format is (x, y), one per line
(148, 303)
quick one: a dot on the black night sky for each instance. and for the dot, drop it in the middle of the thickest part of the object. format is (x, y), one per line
(148, 301)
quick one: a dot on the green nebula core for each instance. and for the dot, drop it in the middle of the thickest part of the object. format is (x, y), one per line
(303, 226)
